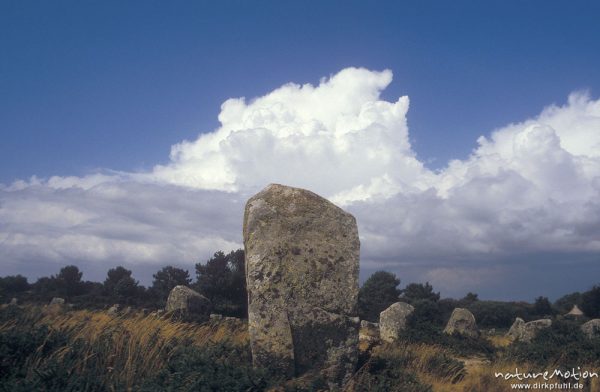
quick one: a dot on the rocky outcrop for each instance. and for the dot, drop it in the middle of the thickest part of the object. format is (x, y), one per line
(188, 304)
(392, 321)
(302, 277)
(463, 323)
(591, 328)
(525, 332)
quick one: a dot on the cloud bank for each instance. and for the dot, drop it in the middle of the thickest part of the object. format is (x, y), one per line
(528, 190)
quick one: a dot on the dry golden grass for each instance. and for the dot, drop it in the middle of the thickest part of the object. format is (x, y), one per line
(481, 377)
(478, 374)
(131, 347)
(500, 340)
(422, 360)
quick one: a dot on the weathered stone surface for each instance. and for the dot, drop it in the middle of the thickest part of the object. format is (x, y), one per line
(14, 302)
(302, 275)
(591, 328)
(369, 332)
(188, 304)
(462, 322)
(114, 310)
(516, 329)
(533, 327)
(392, 321)
(57, 301)
(525, 332)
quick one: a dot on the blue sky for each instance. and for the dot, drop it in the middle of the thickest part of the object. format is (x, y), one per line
(89, 85)
(90, 88)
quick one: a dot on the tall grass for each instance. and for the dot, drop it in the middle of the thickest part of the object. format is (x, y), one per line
(121, 351)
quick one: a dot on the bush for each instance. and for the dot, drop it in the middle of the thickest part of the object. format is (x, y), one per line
(590, 302)
(425, 325)
(377, 294)
(562, 344)
(387, 374)
(495, 314)
(212, 368)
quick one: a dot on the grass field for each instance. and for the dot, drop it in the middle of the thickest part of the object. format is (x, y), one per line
(79, 350)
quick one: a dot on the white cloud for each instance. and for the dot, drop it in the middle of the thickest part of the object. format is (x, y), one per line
(332, 138)
(529, 188)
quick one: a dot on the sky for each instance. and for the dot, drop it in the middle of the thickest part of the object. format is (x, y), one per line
(464, 136)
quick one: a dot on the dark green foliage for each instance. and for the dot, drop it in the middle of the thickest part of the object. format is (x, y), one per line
(222, 279)
(45, 288)
(213, 368)
(13, 285)
(418, 291)
(21, 348)
(120, 287)
(378, 292)
(425, 325)
(447, 305)
(563, 344)
(542, 307)
(166, 279)
(469, 298)
(496, 314)
(69, 281)
(590, 302)
(388, 373)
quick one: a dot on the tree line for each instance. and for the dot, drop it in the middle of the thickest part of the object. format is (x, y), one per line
(381, 290)
(222, 280)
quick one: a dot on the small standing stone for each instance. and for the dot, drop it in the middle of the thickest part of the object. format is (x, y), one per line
(392, 321)
(188, 304)
(525, 332)
(463, 323)
(516, 329)
(114, 310)
(591, 328)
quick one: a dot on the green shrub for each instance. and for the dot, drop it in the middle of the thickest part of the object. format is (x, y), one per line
(382, 374)
(425, 325)
(562, 344)
(213, 368)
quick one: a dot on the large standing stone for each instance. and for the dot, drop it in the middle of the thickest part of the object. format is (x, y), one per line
(591, 328)
(462, 322)
(525, 332)
(302, 276)
(392, 321)
(188, 304)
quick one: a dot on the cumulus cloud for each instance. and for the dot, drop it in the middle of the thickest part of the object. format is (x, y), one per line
(529, 188)
(337, 138)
